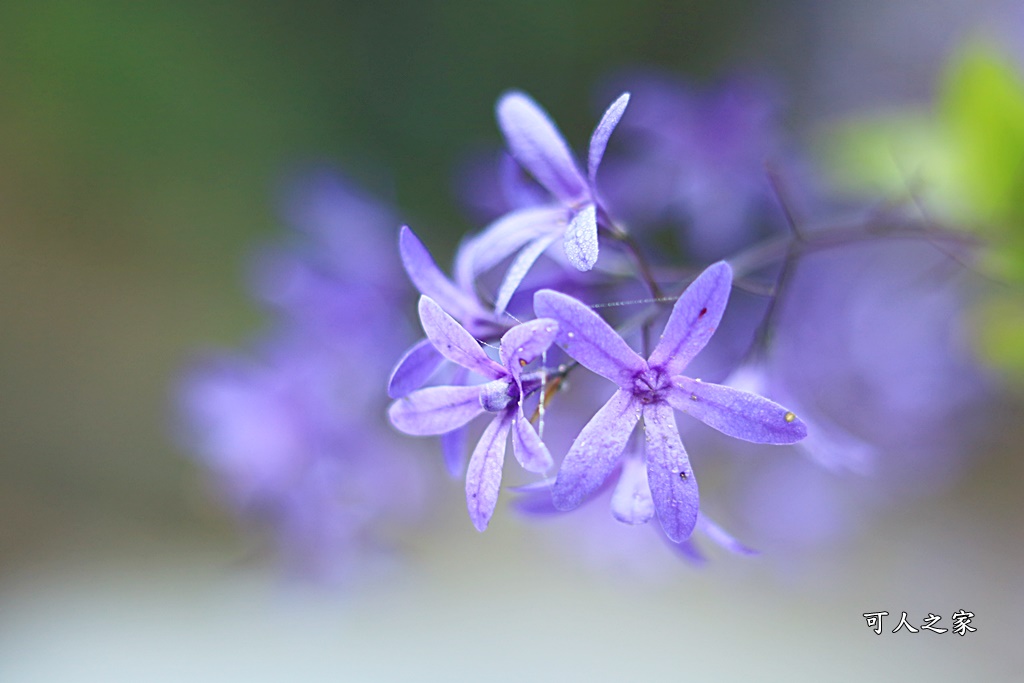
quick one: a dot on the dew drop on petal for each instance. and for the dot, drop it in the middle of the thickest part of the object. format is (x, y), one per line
(789, 417)
(693, 397)
(571, 335)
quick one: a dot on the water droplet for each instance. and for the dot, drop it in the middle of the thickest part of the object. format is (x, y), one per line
(789, 417)
(682, 474)
(571, 335)
(693, 397)
(522, 362)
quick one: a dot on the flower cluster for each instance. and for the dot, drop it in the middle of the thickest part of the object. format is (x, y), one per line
(686, 262)
(649, 390)
(685, 159)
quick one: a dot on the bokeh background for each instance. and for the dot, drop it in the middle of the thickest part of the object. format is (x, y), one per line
(142, 148)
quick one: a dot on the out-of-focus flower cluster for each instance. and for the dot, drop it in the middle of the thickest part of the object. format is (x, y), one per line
(292, 430)
(689, 266)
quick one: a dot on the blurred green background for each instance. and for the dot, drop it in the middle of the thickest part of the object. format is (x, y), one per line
(141, 145)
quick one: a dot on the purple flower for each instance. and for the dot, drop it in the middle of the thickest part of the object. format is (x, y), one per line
(442, 409)
(651, 389)
(538, 147)
(291, 430)
(420, 361)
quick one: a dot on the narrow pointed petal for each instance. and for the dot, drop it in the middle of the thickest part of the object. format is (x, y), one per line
(535, 503)
(595, 452)
(435, 410)
(694, 319)
(537, 145)
(525, 342)
(581, 239)
(833, 447)
(453, 448)
(599, 140)
(430, 281)
(673, 485)
(722, 538)
(631, 500)
(588, 338)
(453, 341)
(529, 450)
(414, 368)
(483, 478)
(736, 413)
(506, 236)
(518, 269)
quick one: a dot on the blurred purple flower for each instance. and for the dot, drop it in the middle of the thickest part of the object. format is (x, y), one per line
(651, 389)
(697, 159)
(293, 442)
(338, 264)
(537, 145)
(293, 432)
(442, 409)
(871, 345)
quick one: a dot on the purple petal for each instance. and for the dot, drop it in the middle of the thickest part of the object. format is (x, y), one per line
(453, 448)
(687, 550)
(537, 145)
(518, 190)
(435, 410)
(517, 271)
(694, 319)
(414, 368)
(721, 537)
(631, 500)
(523, 343)
(673, 485)
(429, 279)
(595, 451)
(736, 413)
(536, 503)
(454, 443)
(599, 140)
(588, 338)
(530, 451)
(453, 341)
(483, 478)
(581, 239)
(833, 447)
(504, 237)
